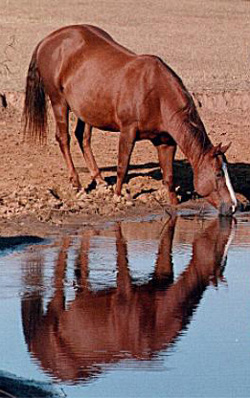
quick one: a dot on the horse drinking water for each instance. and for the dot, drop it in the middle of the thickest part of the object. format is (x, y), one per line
(82, 69)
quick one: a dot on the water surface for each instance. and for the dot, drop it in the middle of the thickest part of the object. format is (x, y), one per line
(153, 308)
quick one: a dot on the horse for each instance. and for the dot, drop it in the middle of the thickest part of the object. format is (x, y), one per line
(98, 329)
(82, 69)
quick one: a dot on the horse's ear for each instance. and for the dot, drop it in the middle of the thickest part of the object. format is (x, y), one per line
(224, 148)
(219, 149)
(216, 150)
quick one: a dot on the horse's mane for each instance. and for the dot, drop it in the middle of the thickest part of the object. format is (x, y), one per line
(187, 114)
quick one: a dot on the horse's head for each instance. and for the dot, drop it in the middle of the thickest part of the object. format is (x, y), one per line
(211, 180)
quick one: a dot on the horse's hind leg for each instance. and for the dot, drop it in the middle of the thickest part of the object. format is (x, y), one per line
(61, 113)
(83, 134)
(166, 154)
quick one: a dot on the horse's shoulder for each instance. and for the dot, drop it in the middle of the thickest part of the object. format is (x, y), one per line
(149, 67)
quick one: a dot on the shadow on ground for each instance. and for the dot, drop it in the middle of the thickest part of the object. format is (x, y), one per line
(183, 174)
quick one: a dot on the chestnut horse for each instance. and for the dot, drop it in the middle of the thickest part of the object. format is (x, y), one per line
(82, 69)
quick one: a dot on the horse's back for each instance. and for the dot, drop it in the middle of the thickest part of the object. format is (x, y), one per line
(65, 53)
(77, 40)
(103, 83)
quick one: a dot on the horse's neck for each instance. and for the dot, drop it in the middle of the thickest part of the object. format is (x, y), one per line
(193, 142)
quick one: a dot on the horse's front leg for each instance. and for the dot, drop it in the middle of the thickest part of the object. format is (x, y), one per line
(126, 145)
(61, 113)
(164, 273)
(83, 133)
(166, 154)
(124, 280)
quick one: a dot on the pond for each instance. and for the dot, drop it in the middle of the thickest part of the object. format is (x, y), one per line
(151, 308)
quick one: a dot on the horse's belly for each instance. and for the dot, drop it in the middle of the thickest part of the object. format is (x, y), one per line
(93, 103)
(99, 117)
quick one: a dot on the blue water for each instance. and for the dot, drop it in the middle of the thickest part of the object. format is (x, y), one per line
(139, 309)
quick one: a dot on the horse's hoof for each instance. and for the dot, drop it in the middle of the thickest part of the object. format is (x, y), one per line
(165, 195)
(173, 199)
(80, 193)
(76, 187)
(117, 198)
(100, 182)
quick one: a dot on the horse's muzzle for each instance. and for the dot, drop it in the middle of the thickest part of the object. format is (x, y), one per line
(227, 209)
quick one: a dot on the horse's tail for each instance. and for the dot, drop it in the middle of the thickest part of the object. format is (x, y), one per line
(35, 105)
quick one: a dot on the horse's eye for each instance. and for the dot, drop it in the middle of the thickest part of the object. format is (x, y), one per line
(220, 174)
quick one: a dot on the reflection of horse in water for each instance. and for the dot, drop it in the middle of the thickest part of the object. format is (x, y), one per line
(128, 321)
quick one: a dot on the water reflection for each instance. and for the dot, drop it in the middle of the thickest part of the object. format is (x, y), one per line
(100, 328)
